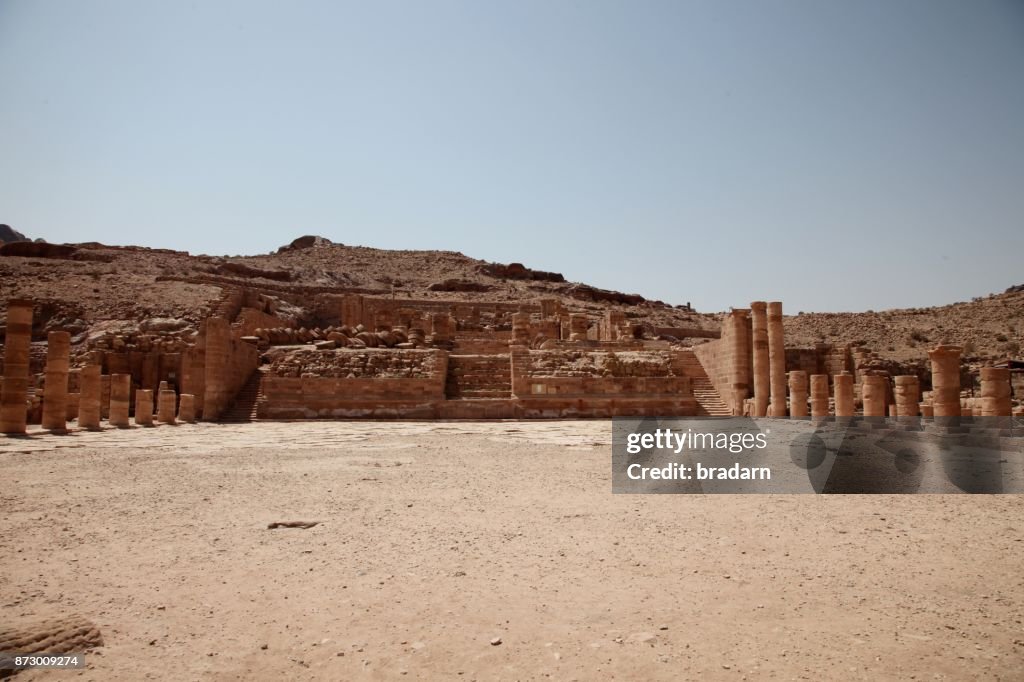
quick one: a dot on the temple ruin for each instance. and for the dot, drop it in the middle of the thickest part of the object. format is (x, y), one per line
(373, 357)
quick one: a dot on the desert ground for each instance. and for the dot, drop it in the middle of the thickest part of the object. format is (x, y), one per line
(485, 551)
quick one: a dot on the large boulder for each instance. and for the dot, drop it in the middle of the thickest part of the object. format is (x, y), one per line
(519, 271)
(305, 242)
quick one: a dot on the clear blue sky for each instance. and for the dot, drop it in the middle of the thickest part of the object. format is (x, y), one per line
(832, 155)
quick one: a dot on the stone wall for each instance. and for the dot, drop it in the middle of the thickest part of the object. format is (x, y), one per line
(688, 332)
(370, 311)
(558, 384)
(808, 360)
(369, 363)
(371, 383)
(228, 365)
(481, 342)
(728, 359)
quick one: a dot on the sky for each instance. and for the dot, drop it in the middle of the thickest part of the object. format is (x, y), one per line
(833, 155)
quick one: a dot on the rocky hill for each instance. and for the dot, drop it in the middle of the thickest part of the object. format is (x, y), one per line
(80, 286)
(989, 328)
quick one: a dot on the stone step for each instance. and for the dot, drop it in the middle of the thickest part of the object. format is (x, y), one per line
(246, 401)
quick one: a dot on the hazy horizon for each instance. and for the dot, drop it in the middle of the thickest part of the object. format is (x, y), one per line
(836, 157)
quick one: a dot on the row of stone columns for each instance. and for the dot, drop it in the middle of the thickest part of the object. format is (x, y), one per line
(995, 393)
(165, 406)
(770, 380)
(13, 413)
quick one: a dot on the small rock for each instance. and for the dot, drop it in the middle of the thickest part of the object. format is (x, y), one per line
(495, 641)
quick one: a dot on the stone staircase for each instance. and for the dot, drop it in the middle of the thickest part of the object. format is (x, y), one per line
(479, 377)
(709, 402)
(243, 410)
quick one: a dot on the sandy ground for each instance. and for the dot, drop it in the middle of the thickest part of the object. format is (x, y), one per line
(437, 538)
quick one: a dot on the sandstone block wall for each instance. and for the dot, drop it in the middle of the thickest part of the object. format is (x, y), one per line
(481, 342)
(228, 365)
(728, 358)
(585, 384)
(355, 309)
(391, 383)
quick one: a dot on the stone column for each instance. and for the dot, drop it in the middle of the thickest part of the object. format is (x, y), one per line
(105, 396)
(13, 411)
(926, 410)
(776, 359)
(907, 394)
(798, 393)
(89, 397)
(843, 387)
(762, 371)
(995, 392)
(521, 329)
(55, 399)
(144, 407)
(120, 397)
(873, 388)
(740, 353)
(945, 380)
(187, 408)
(167, 406)
(819, 395)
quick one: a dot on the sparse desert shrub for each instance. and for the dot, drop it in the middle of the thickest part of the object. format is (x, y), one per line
(969, 348)
(1012, 348)
(919, 336)
(1002, 338)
